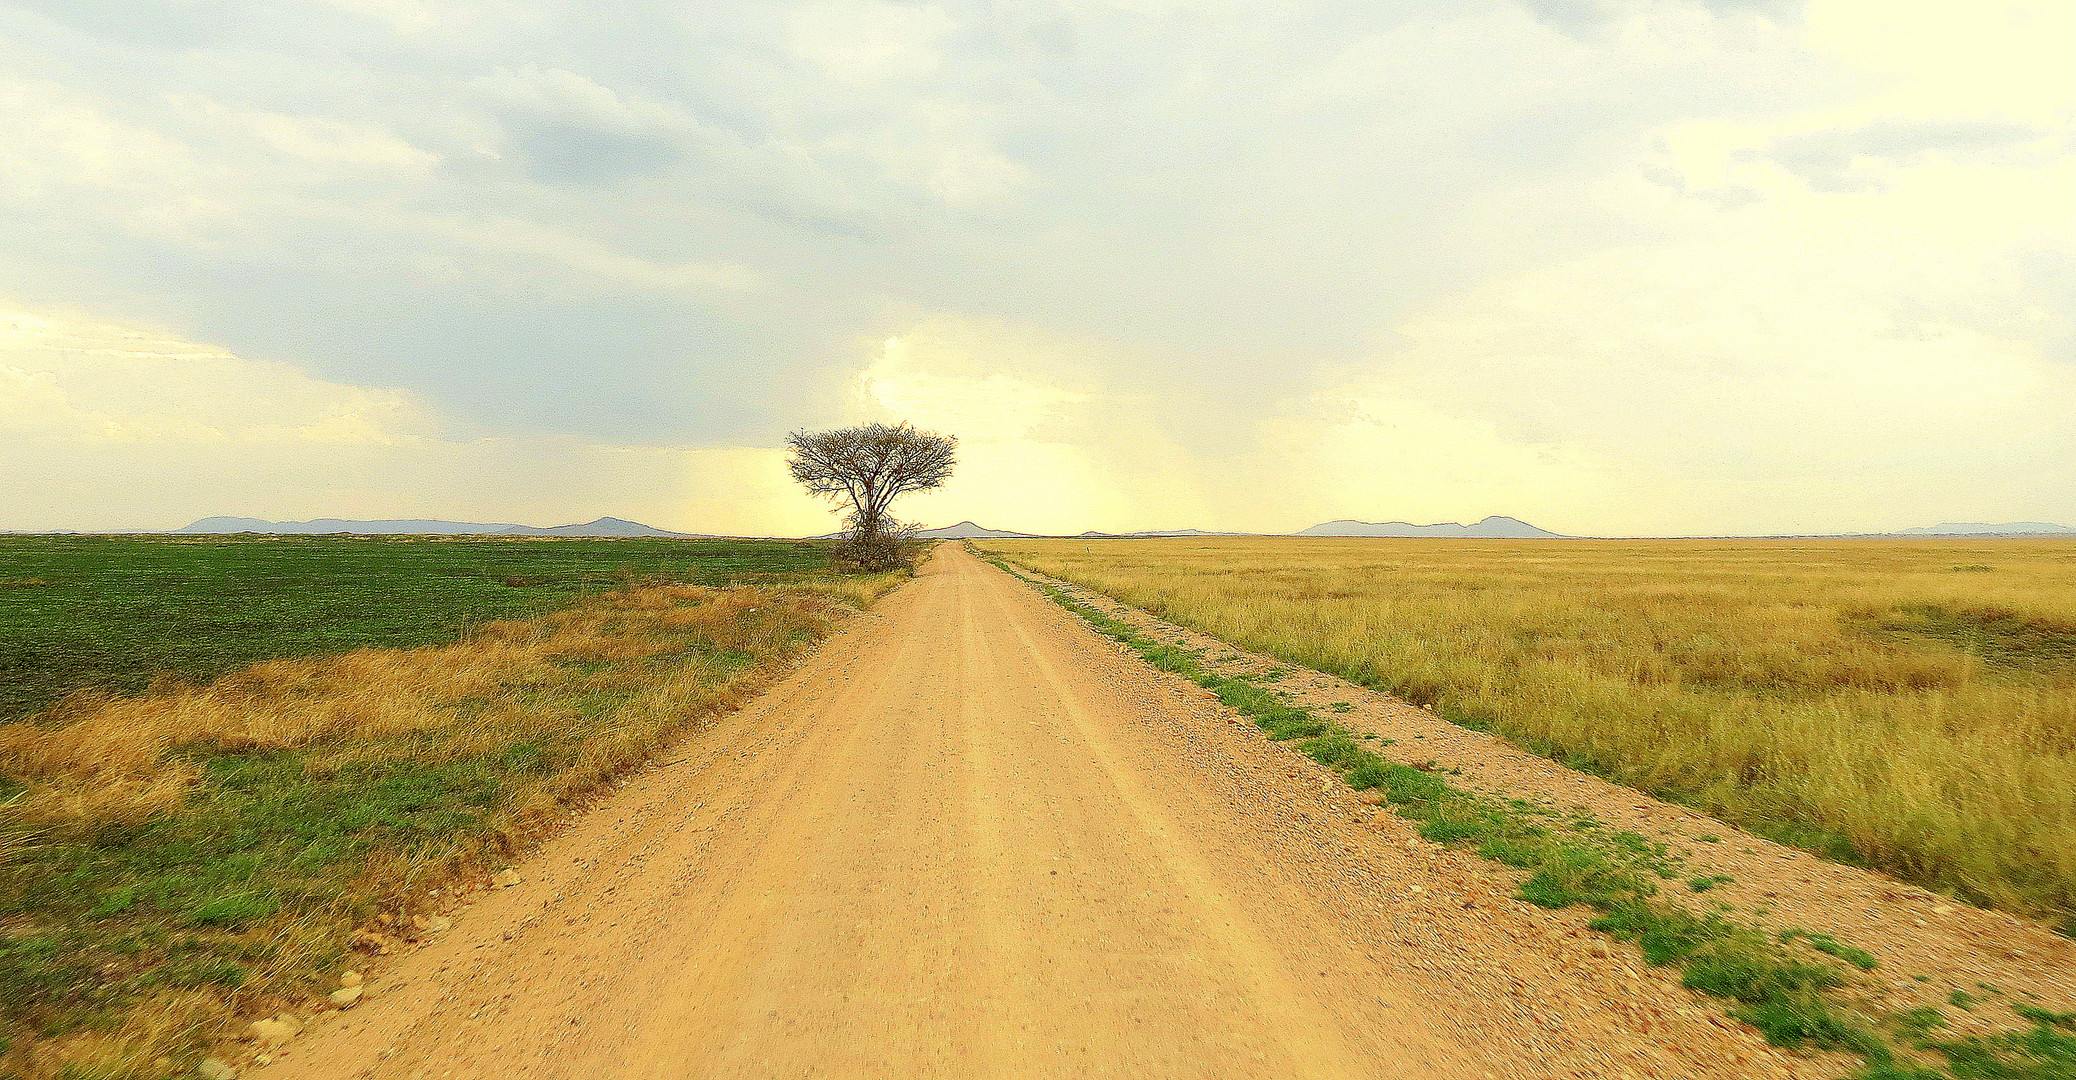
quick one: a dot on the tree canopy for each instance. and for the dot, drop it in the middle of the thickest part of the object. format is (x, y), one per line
(869, 467)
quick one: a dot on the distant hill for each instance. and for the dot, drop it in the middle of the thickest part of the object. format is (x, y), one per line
(2009, 528)
(1495, 527)
(605, 526)
(966, 530)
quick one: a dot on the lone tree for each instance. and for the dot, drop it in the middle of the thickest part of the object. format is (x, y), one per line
(868, 467)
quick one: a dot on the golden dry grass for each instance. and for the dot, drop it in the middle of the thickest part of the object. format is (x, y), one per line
(1916, 698)
(95, 758)
(534, 714)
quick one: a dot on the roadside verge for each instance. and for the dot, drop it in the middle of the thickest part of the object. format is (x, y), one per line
(1810, 953)
(178, 864)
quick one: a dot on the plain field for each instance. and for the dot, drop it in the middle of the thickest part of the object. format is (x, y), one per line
(118, 613)
(235, 751)
(1910, 704)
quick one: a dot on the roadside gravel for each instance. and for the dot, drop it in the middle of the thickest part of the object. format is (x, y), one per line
(1929, 948)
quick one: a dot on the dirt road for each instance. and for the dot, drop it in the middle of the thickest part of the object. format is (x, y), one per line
(970, 838)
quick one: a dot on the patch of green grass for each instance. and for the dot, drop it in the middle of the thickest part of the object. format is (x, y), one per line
(234, 912)
(1707, 882)
(172, 900)
(1472, 718)
(1568, 874)
(1830, 946)
(1815, 839)
(2043, 1016)
(1790, 1001)
(1919, 1023)
(115, 613)
(1995, 634)
(48, 980)
(1961, 999)
(2046, 1051)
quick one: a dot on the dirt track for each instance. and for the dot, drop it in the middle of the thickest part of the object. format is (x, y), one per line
(968, 838)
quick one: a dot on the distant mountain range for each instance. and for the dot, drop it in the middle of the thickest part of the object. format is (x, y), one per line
(2009, 528)
(605, 526)
(1494, 527)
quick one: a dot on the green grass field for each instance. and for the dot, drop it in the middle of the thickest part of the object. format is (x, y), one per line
(117, 612)
(290, 737)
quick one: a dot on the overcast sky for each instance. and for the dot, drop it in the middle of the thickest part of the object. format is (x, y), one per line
(1721, 266)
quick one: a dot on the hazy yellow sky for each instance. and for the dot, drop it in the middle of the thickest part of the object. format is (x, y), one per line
(1727, 266)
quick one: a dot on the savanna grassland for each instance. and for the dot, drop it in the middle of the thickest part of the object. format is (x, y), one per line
(231, 753)
(118, 612)
(1908, 704)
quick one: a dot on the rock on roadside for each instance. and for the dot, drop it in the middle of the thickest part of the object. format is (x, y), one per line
(271, 1032)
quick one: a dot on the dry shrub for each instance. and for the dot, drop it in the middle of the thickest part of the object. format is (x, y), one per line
(892, 550)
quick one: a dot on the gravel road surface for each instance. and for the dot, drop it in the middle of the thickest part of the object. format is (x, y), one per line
(970, 838)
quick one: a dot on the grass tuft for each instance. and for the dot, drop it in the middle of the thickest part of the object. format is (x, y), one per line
(1829, 946)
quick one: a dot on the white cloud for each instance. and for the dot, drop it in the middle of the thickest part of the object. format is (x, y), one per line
(405, 16)
(928, 378)
(976, 177)
(589, 257)
(56, 146)
(569, 95)
(314, 139)
(869, 41)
